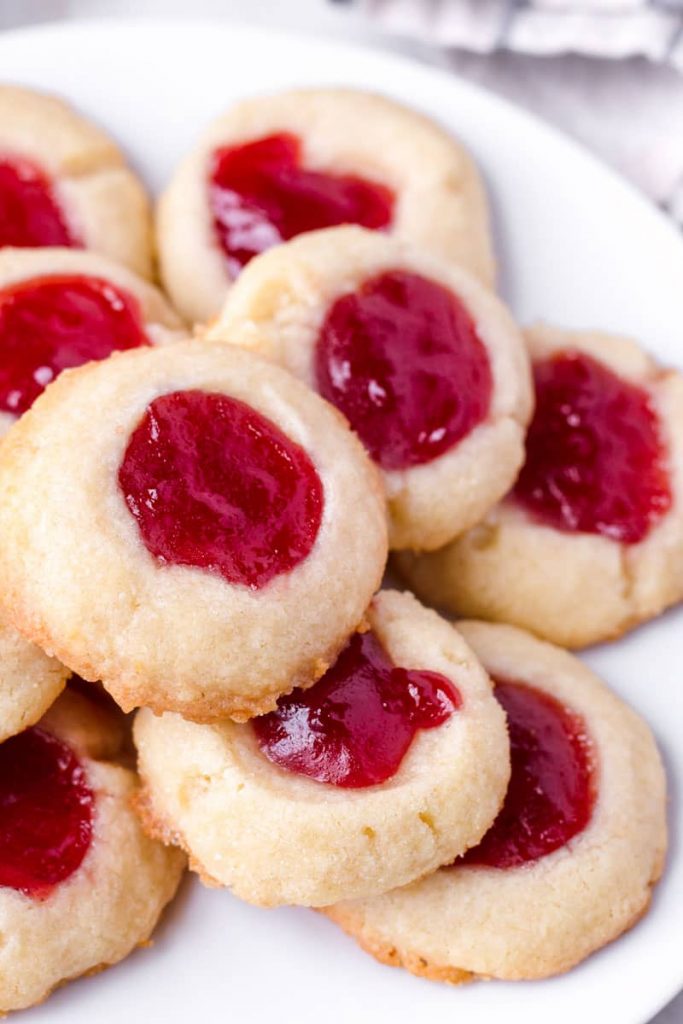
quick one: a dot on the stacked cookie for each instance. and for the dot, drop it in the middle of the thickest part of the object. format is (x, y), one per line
(203, 524)
(81, 884)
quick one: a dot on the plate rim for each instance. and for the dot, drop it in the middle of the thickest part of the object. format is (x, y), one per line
(393, 62)
(179, 23)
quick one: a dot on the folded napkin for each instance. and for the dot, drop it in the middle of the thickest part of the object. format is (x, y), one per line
(610, 72)
(601, 28)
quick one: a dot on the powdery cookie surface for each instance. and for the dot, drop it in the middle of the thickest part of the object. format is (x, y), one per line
(571, 588)
(112, 902)
(274, 836)
(29, 682)
(440, 202)
(277, 308)
(546, 916)
(104, 203)
(80, 581)
(160, 322)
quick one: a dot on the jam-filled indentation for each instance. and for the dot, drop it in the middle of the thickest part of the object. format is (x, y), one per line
(50, 324)
(30, 216)
(595, 458)
(402, 359)
(213, 484)
(354, 726)
(46, 812)
(551, 793)
(260, 194)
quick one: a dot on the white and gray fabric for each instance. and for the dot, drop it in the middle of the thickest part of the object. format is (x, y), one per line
(599, 28)
(609, 72)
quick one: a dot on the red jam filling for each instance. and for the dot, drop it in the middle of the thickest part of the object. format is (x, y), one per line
(354, 726)
(260, 195)
(50, 324)
(214, 484)
(402, 360)
(595, 460)
(551, 793)
(29, 213)
(46, 812)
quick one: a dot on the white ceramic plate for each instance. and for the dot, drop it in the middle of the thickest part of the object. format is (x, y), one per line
(577, 246)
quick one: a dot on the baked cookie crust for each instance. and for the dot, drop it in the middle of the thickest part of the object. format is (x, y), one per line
(573, 589)
(81, 583)
(276, 837)
(277, 307)
(103, 200)
(112, 902)
(29, 682)
(543, 917)
(160, 322)
(440, 199)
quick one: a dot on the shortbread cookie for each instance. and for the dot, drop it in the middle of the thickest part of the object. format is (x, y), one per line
(571, 860)
(60, 308)
(190, 525)
(80, 884)
(276, 166)
(29, 682)
(64, 182)
(425, 363)
(590, 541)
(394, 762)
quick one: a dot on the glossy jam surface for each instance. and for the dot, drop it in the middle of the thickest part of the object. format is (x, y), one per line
(29, 213)
(46, 812)
(402, 360)
(214, 484)
(595, 460)
(50, 324)
(261, 195)
(355, 725)
(551, 794)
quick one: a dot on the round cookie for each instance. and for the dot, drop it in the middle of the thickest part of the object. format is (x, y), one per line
(29, 682)
(89, 886)
(577, 586)
(317, 800)
(215, 531)
(275, 166)
(64, 182)
(541, 915)
(61, 308)
(444, 389)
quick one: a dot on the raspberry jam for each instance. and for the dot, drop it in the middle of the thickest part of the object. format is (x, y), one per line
(214, 484)
(50, 324)
(29, 213)
(260, 195)
(402, 360)
(595, 460)
(46, 812)
(354, 726)
(551, 794)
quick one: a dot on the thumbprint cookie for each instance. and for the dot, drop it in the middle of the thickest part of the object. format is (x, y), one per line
(60, 308)
(570, 861)
(81, 885)
(64, 182)
(29, 681)
(275, 167)
(215, 530)
(590, 540)
(426, 364)
(393, 763)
